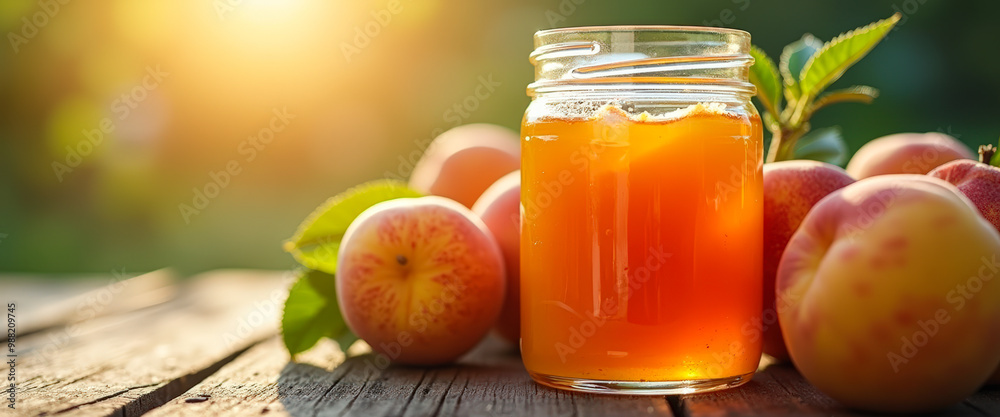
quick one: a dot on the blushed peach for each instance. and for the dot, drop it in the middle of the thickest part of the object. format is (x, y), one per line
(906, 153)
(420, 279)
(462, 162)
(892, 305)
(791, 188)
(500, 209)
(977, 180)
(981, 183)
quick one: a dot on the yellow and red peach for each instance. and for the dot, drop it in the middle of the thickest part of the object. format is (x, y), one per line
(500, 209)
(906, 153)
(462, 162)
(889, 301)
(791, 188)
(981, 183)
(977, 180)
(420, 279)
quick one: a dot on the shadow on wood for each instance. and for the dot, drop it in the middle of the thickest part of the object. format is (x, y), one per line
(779, 390)
(490, 381)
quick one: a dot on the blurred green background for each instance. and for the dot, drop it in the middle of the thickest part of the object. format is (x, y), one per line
(189, 87)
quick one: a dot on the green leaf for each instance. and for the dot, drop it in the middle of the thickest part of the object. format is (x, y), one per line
(317, 240)
(310, 315)
(824, 145)
(764, 75)
(857, 94)
(344, 339)
(323, 283)
(795, 55)
(836, 56)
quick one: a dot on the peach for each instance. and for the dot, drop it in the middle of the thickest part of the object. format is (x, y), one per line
(420, 279)
(906, 153)
(791, 188)
(981, 183)
(977, 180)
(500, 209)
(462, 162)
(889, 301)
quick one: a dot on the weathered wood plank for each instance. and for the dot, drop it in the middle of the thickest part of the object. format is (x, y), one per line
(490, 381)
(248, 385)
(127, 364)
(986, 401)
(38, 292)
(195, 351)
(44, 303)
(779, 390)
(784, 390)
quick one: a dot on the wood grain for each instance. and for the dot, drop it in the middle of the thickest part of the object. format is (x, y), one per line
(490, 381)
(779, 390)
(785, 391)
(45, 303)
(208, 346)
(127, 364)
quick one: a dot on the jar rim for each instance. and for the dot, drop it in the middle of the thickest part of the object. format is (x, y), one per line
(642, 28)
(651, 58)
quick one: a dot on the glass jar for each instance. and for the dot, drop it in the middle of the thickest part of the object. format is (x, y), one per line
(641, 198)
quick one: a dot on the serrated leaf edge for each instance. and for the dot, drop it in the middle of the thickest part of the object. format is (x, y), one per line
(302, 277)
(890, 22)
(294, 242)
(774, 106)
(785, 56)
(343, 336)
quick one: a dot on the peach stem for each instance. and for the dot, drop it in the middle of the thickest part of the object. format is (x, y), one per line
(986, 153)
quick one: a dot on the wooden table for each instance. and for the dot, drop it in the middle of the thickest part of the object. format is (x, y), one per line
(208, 346)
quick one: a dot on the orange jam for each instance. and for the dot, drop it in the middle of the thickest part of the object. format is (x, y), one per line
(641, 245)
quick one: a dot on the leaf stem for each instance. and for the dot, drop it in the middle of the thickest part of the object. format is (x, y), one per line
(783, 143)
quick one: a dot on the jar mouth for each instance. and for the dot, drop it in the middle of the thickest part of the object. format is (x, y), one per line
(639, 28)
(654, 58)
